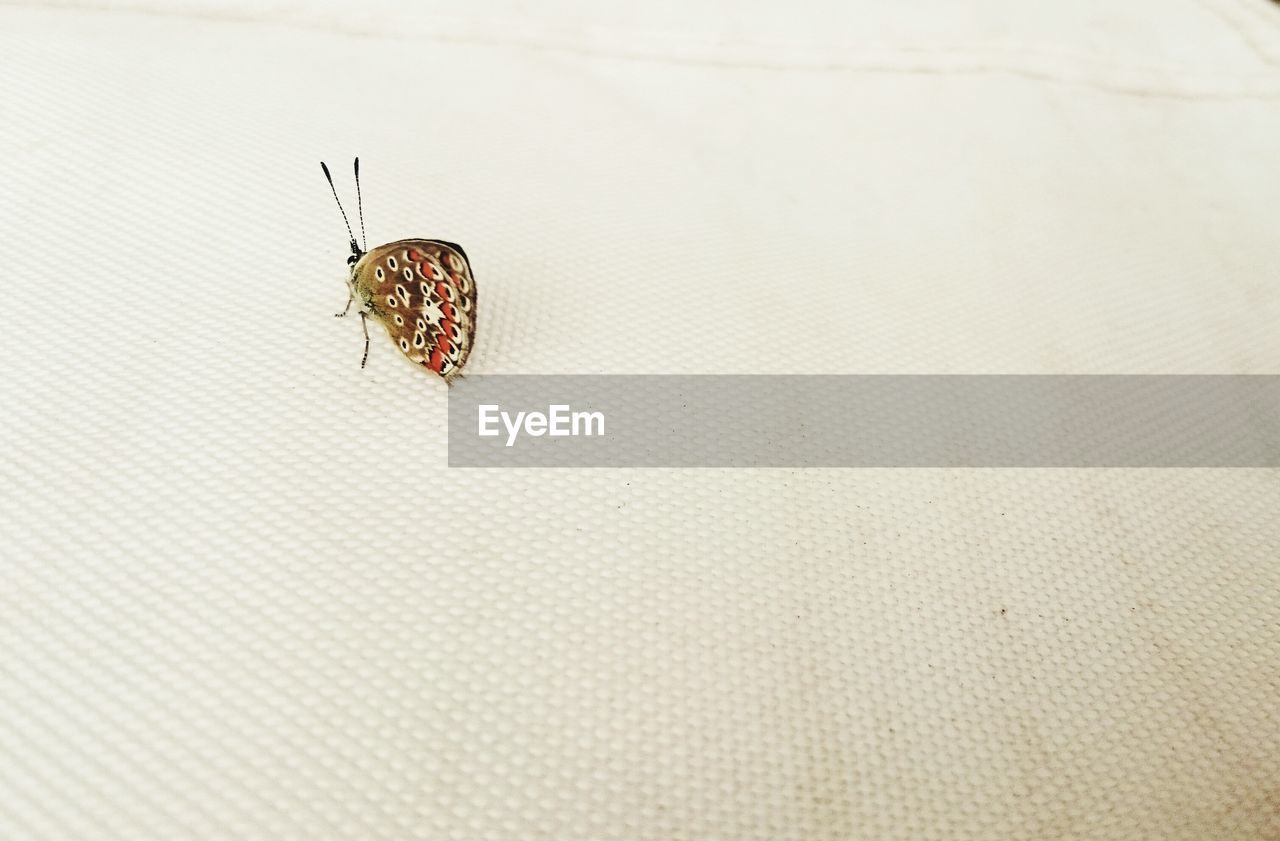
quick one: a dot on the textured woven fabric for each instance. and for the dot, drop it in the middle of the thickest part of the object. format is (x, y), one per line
(241, 596)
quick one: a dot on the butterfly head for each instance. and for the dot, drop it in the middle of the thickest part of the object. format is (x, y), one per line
(356, 251)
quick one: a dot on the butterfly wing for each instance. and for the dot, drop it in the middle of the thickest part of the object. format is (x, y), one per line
(423, 293)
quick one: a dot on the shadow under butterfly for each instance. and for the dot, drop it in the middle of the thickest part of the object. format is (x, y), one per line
(421, 290)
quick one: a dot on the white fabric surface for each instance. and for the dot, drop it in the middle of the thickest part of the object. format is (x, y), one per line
(242, 597)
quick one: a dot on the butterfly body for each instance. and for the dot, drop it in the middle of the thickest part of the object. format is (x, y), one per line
(420, 290)
(423, 293)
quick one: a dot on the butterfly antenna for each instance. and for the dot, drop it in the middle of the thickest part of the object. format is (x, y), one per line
(360, 205)
(355, 248)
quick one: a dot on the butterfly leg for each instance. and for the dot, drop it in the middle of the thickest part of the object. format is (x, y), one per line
(364, 322)
(351, 296)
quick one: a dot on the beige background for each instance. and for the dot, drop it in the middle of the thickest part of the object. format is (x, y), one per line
(242, 597)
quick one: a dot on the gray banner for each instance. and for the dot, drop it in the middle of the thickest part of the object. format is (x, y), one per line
(865, 421)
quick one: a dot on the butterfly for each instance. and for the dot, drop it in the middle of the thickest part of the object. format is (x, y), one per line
(421, 290)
